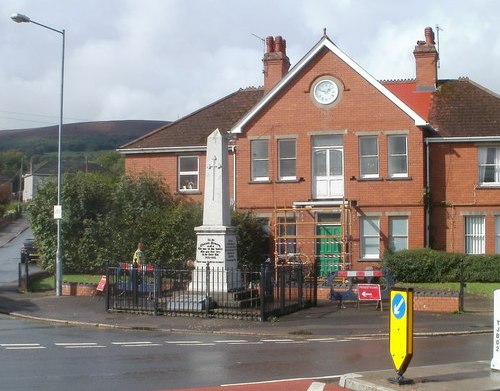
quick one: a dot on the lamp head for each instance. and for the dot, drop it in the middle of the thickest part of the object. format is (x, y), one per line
(20, 18)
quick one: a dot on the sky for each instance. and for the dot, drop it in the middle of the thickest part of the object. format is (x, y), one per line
(163, 59)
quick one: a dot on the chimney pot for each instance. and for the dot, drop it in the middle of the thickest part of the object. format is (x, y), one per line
(429, 36)
(278, 44)
(269, 44)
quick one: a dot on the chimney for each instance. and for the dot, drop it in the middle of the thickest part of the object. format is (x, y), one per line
(276, 62)
(426, 59)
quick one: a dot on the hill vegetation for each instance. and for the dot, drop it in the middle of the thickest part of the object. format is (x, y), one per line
(77, 137)
(22, 150)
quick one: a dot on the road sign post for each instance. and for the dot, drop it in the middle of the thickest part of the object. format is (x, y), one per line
(495, 362)
(401, 332)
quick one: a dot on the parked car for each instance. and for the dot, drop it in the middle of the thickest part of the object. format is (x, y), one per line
(29, 252)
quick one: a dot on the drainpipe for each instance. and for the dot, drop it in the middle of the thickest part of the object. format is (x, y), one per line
(233, 150)
(427, 190)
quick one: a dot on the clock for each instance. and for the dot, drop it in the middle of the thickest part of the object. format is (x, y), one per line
(325, 92)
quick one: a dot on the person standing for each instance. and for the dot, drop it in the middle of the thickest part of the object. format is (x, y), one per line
(139, 257)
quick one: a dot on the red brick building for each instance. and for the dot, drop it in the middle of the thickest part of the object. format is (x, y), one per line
(342, 166)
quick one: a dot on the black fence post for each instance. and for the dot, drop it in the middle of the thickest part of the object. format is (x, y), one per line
(107, 288)
(300, 284)
(262, 292)
(207, 289)
(282, 288)
(461, 294)
(27, 274)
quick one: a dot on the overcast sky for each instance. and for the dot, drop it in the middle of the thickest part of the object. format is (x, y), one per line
(162, 59)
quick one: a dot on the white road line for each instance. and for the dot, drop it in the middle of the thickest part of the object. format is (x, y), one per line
(246, 343)
(197, 344)
(283, 380)
(8, 345)
(184, 342)
(316, 386)
(231, 340)
(321, 339)
(290, 342)
(132, 343)
(83, 346)
(276, 340)
(24, 347)
(75, 343)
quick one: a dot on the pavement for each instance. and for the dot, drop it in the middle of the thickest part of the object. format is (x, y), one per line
(323, 321)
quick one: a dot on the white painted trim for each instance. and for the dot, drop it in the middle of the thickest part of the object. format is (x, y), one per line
(326, 43)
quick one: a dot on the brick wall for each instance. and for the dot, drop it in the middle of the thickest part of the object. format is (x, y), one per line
(436, 301)
(77, 289)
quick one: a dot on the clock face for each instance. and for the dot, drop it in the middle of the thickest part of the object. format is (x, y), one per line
(325, 92)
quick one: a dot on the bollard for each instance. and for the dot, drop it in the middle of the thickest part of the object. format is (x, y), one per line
(495, 362)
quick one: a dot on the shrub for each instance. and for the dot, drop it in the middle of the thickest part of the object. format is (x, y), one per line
(427, 265)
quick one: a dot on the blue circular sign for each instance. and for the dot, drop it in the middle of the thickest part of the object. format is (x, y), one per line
(398, 306)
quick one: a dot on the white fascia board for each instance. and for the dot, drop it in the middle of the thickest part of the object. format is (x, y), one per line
(325, 42)
(474, 139)
(134, 151)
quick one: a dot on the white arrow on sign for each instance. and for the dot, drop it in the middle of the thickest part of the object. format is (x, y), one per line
(397, 306)
(365, 294)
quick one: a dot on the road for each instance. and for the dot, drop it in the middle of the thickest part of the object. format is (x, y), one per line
(41, 356)
(10, 257)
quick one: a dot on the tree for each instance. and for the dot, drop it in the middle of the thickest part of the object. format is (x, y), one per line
(104, 218)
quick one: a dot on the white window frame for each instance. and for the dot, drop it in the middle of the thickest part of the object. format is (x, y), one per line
(256, 160)
(370, 238)
(392, 155)
(398, 237)
(282, 160)
(188, 180)
(474, 234)
(367, 157)
(489, 165)
(287, 226)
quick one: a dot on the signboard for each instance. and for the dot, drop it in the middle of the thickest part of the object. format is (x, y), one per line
(102, 284)
(369, 292)
(401, 328)
(57, 212)
(495, 362)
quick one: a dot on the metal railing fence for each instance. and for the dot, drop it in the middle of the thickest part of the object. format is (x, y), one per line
(209, 291)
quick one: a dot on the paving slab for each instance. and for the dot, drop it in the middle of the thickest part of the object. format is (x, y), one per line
(466, 376)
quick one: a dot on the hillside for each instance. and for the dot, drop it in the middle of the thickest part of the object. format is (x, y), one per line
(76, 137)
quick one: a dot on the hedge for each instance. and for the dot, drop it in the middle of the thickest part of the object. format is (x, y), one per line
(426, 265)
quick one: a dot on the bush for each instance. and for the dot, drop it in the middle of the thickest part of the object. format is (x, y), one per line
(427, 265)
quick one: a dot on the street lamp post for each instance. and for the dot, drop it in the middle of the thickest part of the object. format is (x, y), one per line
(19, 18)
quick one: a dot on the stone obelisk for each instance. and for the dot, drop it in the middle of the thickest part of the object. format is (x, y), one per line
(216, 238)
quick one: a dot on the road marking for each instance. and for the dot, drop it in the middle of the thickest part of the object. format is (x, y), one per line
(78, 345)
(276, 340)
(197, 344)
(136, 344)
(291, 342)
(231, 340)
(183, 342)
(316, 386)
(283, 380)
(21, 346)
(246, 343)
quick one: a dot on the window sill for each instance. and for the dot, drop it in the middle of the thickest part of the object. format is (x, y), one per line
(188, 192)
(488, 186)
(398, 178)
(260, 182)
(370, 260)
(296, 180)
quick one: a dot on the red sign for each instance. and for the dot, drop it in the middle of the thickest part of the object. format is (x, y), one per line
(369, 292)
(102, 284)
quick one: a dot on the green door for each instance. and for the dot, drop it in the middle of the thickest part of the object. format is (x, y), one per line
(329, 248)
